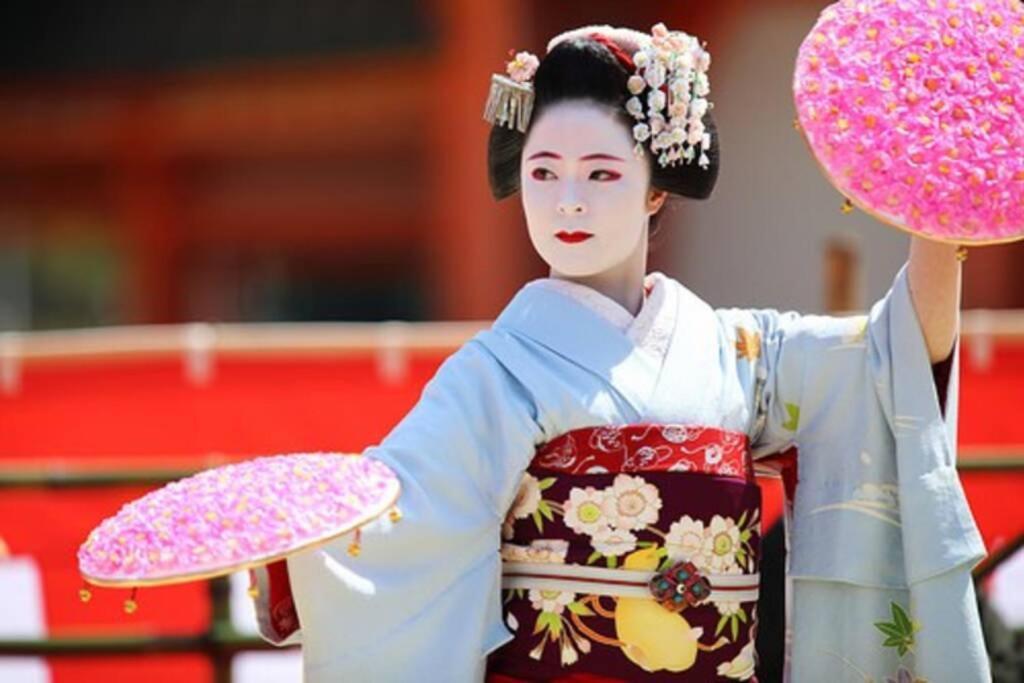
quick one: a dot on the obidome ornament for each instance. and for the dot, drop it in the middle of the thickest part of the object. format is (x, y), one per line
(915, 111)
(235, 517)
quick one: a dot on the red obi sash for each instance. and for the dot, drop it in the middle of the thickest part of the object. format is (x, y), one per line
(631, 553)
(647, 448)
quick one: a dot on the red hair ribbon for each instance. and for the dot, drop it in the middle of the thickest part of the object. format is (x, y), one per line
(624, 59)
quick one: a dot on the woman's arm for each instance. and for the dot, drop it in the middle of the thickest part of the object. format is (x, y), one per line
(459, 454)
(934, 278)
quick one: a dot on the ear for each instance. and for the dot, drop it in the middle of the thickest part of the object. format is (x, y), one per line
(655, 200)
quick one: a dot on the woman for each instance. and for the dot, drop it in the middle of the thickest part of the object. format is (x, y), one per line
(592, 453)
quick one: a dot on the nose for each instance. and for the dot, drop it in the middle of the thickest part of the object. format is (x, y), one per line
(570, 206)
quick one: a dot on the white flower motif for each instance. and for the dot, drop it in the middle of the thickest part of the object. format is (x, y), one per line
(636, 84)
(741, 668)
(675, 434)
(635, 107)
(550, 601)
(640, 59)
(584, 510)
(655, 75)
(645, 457)
(549, 550)
(698, 108)
(685, 539)
(701, 86)
(513, 552)
(527, 497)
(525, 504)
(607, 439)
(641, 132)
(682, 91)
(569, 654)
(656, 100)
(542, 550)
(721, 541)
(631, 503)
(713, 453)
(684, 60)
(657, 124)
(513, 623)
(563, 456)
(613, 541)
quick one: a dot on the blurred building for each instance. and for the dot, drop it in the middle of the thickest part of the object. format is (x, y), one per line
(325, 160)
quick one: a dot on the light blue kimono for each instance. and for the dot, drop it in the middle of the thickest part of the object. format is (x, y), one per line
(876, 519)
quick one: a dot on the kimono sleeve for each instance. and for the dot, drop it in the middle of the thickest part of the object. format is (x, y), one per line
(877, 521)
(459, 455)
(857, 397)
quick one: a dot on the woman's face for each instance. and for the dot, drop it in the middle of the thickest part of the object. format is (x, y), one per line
(585, 194)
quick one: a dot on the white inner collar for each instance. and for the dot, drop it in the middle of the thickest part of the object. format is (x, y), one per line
(650, 329)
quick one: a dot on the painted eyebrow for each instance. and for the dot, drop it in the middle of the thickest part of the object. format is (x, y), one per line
(589, 157)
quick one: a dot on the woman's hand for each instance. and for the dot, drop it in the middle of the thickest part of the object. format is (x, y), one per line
(934, 279)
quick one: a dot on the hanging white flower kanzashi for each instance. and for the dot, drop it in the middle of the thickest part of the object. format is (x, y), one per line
(672, 67)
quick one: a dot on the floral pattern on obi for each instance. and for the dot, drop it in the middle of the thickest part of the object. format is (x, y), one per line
(672, 448)
(641, 499)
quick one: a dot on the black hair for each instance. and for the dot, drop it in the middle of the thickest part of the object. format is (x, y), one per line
(584, 69)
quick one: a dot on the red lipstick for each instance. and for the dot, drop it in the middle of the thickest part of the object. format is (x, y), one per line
(573, 237)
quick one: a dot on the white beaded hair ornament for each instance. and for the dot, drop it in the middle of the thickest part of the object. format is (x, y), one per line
(670, 67)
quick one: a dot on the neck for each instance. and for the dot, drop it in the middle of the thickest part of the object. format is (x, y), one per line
(623, 283)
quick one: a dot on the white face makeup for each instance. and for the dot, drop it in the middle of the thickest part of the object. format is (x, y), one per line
(585, 193)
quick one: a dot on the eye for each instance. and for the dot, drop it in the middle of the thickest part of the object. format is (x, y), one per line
(609, 175)
(539, 173)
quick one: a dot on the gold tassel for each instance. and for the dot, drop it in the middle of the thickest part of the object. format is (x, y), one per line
(130, 605)
(353, 547)
(961, 253)
(84, 594)
(847, 206)
(509, 103)
(395, 515)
